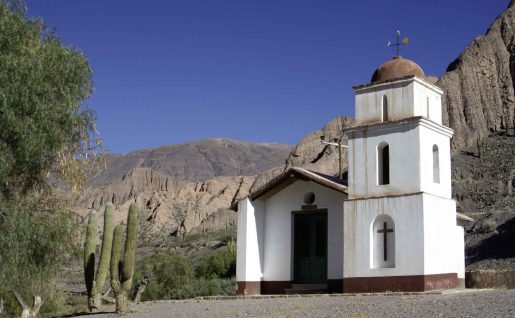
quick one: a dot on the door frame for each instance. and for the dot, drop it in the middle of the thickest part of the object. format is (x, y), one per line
(292, 256)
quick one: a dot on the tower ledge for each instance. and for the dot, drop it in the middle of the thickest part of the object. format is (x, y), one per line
(408, 78)
(407, 123)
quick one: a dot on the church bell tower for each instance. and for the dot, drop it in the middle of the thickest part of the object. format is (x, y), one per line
(400, 230)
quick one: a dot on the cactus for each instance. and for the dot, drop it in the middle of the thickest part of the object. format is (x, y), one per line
(231, 247)
(95, 283)
(122, 271)
(89, 255)
(116, 253)
(480, 141)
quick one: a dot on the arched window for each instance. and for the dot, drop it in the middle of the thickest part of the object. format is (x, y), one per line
(384, 109)
(427, 107)
(383, 164)
(436, 164)
(382, 249)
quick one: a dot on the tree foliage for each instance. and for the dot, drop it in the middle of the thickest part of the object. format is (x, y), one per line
(44, 128)
(46, 133)
(34, 243)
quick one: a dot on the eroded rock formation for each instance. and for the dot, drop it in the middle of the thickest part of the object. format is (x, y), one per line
(479, 84)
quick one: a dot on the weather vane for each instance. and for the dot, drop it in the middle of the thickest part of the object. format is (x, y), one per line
(398, 43)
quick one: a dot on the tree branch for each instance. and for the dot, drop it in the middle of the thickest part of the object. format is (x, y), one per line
(141, 288)
(19, 299)
(27, 312)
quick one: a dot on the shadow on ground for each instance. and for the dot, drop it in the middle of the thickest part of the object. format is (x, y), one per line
(500, 245)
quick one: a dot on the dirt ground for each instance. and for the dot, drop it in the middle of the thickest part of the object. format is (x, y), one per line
(455, 303)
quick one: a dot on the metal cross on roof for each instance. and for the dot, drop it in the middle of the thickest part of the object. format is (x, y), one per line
(398, 42)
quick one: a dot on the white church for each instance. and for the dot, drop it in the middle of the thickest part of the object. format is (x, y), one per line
(392, 226)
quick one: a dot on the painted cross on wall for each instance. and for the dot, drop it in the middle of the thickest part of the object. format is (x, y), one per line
(385, 232)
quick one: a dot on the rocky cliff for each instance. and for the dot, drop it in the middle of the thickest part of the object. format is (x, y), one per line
(310, 153)
(171, 207)
(479, 84)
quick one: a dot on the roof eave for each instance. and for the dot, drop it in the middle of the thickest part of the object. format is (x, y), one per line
(291, 175)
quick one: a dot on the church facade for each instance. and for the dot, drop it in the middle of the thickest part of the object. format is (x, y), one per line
(392, 226)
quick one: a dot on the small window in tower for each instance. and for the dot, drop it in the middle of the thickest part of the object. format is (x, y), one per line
(385, 109)
(427, 107)
(436, 165)
(383, 164)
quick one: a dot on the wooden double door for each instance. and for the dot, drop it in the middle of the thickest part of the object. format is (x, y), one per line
(310, 247)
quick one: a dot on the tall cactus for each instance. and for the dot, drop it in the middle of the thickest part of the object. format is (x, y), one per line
(89, 255)
(480, 141)
(95, 283)
(122, 270)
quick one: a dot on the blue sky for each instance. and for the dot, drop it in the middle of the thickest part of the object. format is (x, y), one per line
(169, 71)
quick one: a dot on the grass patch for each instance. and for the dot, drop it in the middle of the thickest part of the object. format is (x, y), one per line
(488, 226)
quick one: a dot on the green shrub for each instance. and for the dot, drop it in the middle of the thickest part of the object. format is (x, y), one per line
(488, 226)
(205, 287)
(217, 265)
(167, 271)
(34, 245)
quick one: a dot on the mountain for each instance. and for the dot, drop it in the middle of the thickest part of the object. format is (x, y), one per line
(479, 85)
(197, 160)
(182, 188)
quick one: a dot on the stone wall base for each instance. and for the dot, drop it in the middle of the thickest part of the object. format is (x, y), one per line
(490, 279)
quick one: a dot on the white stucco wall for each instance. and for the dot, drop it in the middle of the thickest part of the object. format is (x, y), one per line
(404, 144)
(460, 252)
(440, 241)
(428, 138)
(426, 238)
(411, 159)
(369, 102)
(278, 233)
(249, 245)
(406, 98)
(264, 245)
(406, 212)
(424, 94)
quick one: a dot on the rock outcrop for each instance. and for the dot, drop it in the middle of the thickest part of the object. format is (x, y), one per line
(479, 84)
(310, 153)
(170, 206)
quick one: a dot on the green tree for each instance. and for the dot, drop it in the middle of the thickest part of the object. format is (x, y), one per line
(44, 127)
(45, 134)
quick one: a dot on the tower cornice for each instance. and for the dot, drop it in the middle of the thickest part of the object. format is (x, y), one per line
(407, 79)
(405, 123)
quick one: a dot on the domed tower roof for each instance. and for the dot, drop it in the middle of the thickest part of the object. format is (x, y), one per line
(397, 68)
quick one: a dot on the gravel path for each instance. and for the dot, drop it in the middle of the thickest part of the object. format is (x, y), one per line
(498, 303)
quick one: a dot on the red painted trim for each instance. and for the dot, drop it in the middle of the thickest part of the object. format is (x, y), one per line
(248, 288)
(262, 287)
(399, 283)
(275, 287)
